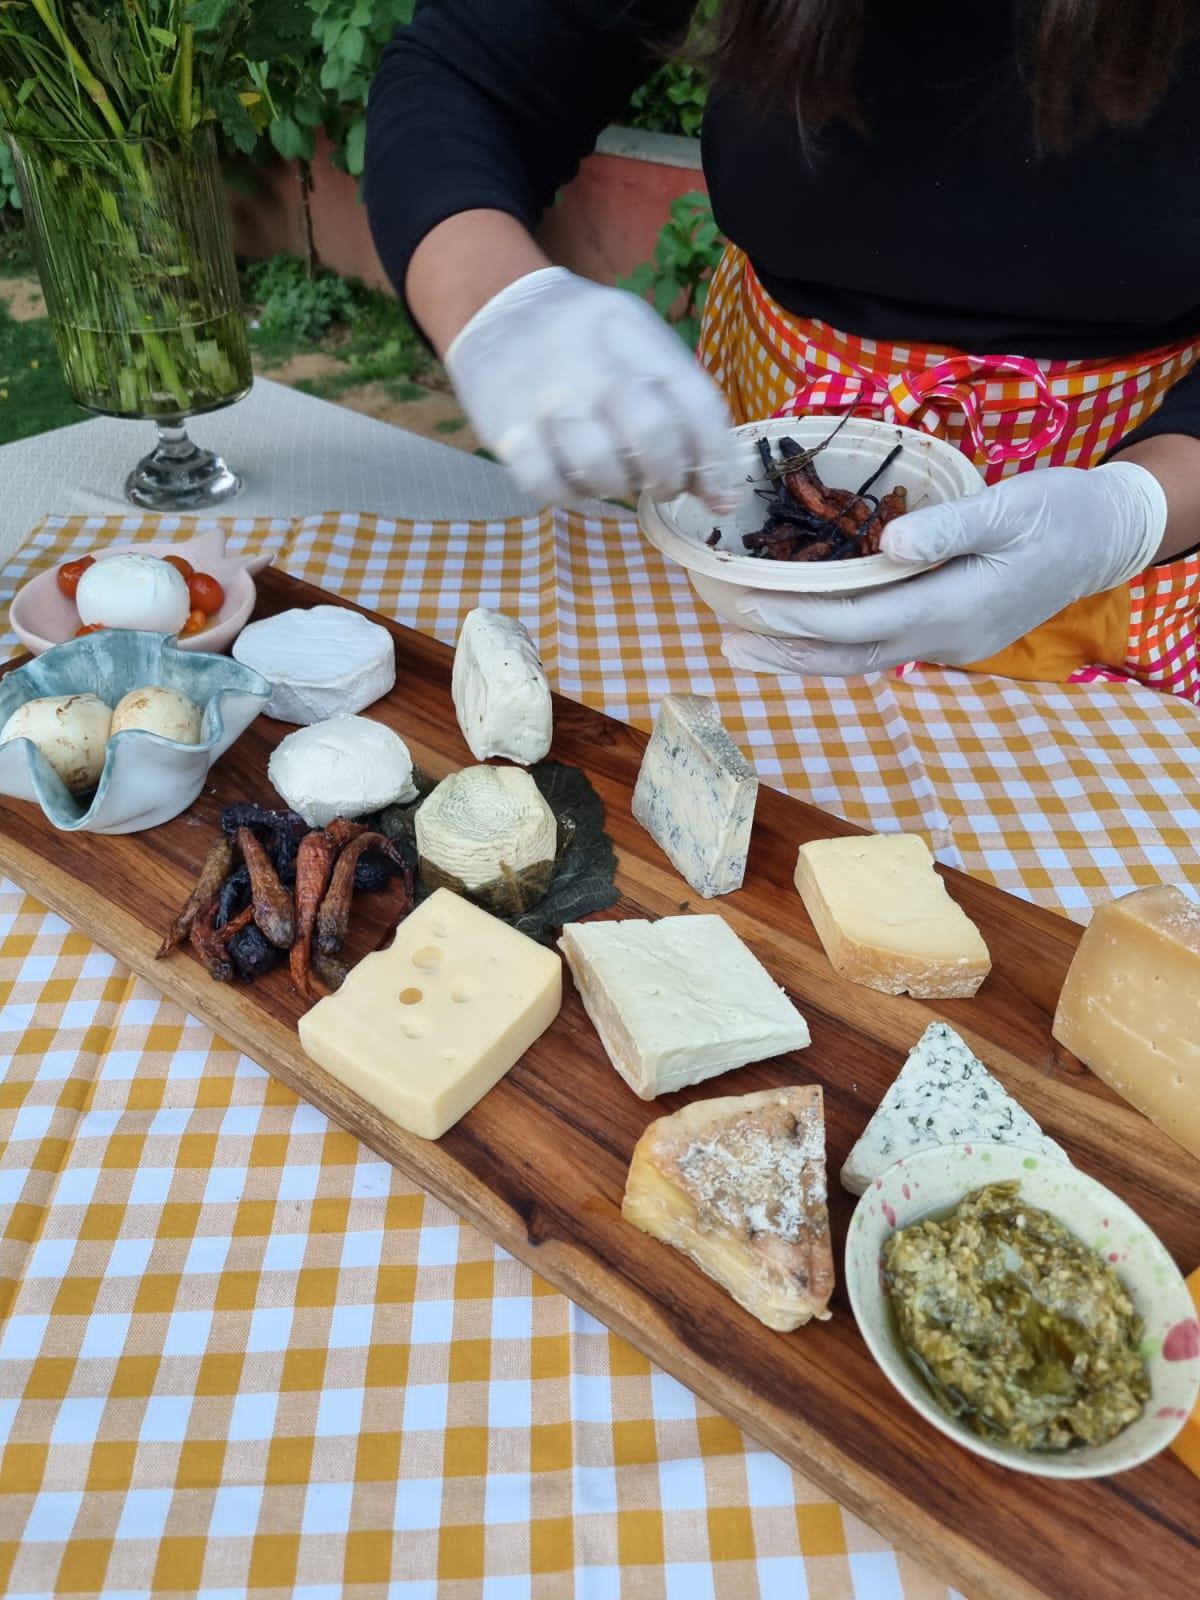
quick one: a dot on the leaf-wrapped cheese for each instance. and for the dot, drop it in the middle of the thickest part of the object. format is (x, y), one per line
(488, 834)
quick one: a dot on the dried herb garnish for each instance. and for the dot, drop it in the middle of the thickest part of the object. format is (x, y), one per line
(807, 520)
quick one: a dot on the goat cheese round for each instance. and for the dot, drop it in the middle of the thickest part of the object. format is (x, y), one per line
(70, 730)
(157, 709)
(133, 591)
(501, 697)
(483, 823)
(342, 767)
(322, 662)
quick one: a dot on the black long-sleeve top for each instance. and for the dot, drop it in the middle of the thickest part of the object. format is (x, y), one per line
(938, 222)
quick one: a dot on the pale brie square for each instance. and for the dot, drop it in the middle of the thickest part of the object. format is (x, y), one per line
(678, 1000)
(696, 793)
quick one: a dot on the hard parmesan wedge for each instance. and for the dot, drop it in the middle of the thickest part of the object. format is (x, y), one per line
(943, 1095)
(738, 1184)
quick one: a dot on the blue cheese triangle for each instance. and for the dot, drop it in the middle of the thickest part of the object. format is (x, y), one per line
(943, 1095)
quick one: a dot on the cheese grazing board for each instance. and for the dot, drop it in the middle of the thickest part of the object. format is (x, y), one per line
(540, 1163)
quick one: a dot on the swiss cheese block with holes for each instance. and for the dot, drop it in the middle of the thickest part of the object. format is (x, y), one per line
(423, 1029)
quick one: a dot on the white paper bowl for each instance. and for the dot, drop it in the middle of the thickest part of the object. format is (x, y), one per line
(930, 469)
(146, 779)
(933, 1181)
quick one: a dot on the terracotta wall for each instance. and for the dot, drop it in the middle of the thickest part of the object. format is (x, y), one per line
(605, 222)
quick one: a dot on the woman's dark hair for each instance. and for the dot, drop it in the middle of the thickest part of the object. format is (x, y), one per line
(1090, 62)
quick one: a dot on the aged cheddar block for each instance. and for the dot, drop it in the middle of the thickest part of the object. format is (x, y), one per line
(1186, 1443)
(423, 1029)
(738, 1184)
(943, 1095)
(678, 1000)
(1130, 1008)
(696, 793)
(886, 919)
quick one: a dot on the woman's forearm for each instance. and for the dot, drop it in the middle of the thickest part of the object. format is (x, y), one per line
(461, 264)
(1174, 459)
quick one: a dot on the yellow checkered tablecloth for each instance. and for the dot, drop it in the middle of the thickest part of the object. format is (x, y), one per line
(239, 1355)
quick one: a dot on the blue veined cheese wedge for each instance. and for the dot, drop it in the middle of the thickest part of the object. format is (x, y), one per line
(678, 1000)
(696, 794)
(943, 1095)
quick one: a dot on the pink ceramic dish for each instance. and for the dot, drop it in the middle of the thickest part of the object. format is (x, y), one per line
(42, 616)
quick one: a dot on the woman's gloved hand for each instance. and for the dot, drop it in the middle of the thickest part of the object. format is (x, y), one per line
(582, 390)
(1014, 555)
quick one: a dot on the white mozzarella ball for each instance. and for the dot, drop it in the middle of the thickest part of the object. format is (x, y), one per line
(133, 591)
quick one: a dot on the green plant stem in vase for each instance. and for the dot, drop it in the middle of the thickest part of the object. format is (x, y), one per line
(117, 164)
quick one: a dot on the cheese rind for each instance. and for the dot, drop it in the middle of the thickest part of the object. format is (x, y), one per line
(501, 697)
(943, 1095)
(886, 919)
(696, 793)
(322, 661)
(1186, 1443)
(738, 1184)
(678, 1000)
(1130, 1008)
(423, 1029)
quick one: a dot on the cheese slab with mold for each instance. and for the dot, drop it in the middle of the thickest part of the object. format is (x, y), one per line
(423, 1029)
(678, 1000)
(943, 1094)
(886, 919)
(696, 794)
(738, 1184)
(1130, 1008)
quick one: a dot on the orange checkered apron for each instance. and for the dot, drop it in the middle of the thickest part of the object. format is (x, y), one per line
(1008, 414)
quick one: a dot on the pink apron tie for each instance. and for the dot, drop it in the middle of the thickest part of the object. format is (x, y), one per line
(913, 395)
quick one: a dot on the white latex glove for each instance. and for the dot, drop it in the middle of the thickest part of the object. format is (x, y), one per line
(582, 390)
(1015, 554)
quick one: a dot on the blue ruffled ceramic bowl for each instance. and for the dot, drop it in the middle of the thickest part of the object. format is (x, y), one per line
(146, 779)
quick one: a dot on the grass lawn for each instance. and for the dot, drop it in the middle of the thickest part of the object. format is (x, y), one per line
(33, 396)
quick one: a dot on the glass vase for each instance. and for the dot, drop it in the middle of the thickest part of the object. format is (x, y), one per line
(132, 244)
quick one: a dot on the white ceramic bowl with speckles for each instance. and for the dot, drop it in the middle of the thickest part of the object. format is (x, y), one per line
(932, 1182)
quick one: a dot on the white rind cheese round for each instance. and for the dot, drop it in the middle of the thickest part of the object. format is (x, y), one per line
(323, 662)
(341, 768)
(481, 820)
(501, 697)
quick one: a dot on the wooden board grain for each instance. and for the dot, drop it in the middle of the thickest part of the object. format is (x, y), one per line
(540, 1163)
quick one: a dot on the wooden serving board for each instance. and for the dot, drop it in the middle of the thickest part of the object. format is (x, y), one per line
(540, 1163)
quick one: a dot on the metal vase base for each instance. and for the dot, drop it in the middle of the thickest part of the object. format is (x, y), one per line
(178, 475)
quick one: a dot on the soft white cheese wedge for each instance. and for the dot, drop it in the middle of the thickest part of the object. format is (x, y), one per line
(322, 662)
(341, 768)
(501, 697)
(678, 1000)
(696, 794)
(483, 823)
(943, 1095)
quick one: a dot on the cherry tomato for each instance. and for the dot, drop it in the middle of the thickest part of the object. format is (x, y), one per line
(70, 574)
(205, 593)
(90, 627)
(196, 623)
(182, 566)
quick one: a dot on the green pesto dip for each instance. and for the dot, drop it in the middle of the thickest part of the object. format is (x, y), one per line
(1020, 1330)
